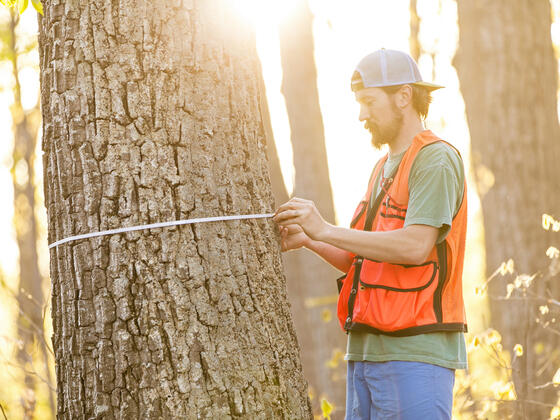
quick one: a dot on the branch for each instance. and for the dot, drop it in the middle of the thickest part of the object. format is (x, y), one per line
(520, 401)
(552, 330)
(30, 372)
(544, 385)
(39, 329)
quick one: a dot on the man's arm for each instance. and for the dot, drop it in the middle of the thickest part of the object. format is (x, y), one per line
(410, 245)
(293, 237)
(337, 257)
(436, 192)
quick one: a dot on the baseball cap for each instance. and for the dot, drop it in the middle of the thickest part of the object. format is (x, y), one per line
(388, 68)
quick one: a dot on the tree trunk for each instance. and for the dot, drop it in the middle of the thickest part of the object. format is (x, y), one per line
(309, 278)
(413, 41)
(279, 191)
(30, 289)
(151, 113)
(508, 76)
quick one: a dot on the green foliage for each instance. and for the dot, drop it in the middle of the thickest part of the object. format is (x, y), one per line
(488, 389)
(326, 408)
(38, 6)
(22, 5)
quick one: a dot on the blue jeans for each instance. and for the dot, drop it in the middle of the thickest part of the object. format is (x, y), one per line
(398, 390)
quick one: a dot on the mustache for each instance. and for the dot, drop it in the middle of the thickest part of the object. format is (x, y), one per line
(368, 125)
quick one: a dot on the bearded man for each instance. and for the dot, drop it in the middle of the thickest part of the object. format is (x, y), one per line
(400, 298)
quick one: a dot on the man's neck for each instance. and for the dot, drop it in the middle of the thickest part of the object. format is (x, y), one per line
(405, 136)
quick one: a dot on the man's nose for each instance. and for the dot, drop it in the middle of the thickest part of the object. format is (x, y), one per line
(364, 113)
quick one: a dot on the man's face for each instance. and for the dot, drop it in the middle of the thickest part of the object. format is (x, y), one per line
(381, 115)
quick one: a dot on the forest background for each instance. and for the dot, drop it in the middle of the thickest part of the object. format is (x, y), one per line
(500, 381)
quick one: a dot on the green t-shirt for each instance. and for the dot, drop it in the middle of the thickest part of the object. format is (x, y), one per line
(436, 186)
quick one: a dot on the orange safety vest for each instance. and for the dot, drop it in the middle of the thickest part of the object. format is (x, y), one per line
(404, 299)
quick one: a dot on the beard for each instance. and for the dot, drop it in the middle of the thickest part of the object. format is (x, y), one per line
(381, 135)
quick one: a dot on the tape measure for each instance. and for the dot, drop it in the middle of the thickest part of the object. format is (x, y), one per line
(160, 225)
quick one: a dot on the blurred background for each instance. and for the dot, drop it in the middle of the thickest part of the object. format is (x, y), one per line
(498, 63)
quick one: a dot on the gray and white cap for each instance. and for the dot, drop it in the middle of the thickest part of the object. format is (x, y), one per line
(388, 68)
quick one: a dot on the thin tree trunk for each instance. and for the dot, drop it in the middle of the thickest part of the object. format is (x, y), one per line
(291, 261)
(30, 292)
(279, 190)
(151, 113)
(310, 278)
(508, 76)
(413, 41)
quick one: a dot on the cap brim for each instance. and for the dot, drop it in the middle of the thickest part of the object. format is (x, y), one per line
(428, 85)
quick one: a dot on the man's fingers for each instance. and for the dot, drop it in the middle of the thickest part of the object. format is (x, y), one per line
(295, 203)
(288, 205)
(286, 215)
(293, 229)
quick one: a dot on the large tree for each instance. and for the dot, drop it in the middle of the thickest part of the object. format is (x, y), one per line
(151, 113)
(508, 75)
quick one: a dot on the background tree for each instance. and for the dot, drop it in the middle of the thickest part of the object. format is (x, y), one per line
(33, 350)
(310, 279)
(508, 75)
(151, 113)
(413, 41)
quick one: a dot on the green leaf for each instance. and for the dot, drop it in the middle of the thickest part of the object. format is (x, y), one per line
(326, 408)
(22, 5)
(38, 6)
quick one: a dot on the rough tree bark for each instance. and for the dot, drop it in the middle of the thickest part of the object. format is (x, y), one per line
(308, 276)
(30, 288)
(151, 113)
(508, 75)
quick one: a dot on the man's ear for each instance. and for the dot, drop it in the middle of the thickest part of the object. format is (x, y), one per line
(404, 96)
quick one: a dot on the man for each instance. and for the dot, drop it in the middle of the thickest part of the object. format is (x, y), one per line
(401, 297)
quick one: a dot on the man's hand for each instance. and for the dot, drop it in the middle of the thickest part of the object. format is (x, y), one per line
(293, 237)
(301, 224)
(302, 212)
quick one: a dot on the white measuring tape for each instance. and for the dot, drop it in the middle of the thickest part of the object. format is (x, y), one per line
(159, 225)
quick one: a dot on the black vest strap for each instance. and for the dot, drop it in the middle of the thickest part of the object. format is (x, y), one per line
(373, 207)
(355, 220)
(442, 278)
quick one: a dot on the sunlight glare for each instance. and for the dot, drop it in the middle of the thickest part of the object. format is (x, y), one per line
(29, 79)
(255, 10)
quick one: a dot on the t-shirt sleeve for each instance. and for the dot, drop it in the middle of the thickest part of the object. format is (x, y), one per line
(436, 186)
